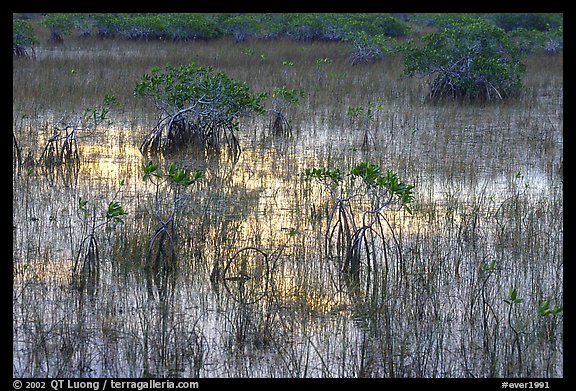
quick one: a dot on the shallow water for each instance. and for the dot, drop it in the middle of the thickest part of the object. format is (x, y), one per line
(487, 188)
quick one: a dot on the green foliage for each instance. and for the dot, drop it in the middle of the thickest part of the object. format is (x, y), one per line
(115, 212)
(529, 41)
(372, 175)
(180, 87)
(196, 103)
(178, 180)
(335, 26)
(111, 100)
(324, 61)
(293, 232)
(174, 174)
(59, 25)
(545, 310)
(367, 48)
(190, 26)
(23, 33)
(368, 111)
(242, 27)
(304, 26)
(60, 22)
(373, 178)
(367, 28)
(145, 26)
(180, 176)
(82, 206)
(354, 111)
(527, 21)
(282, 98)
(356, 222)
(178, 26)
(97, 115)
(107, 25)
(512, 297)
(471, 58)
(291, 96)
(88, 252)
(488, 267)
(323, 174)
(150, 169)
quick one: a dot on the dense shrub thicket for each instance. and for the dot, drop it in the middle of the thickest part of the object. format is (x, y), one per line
(467, 55)
(365, 31)
(301, 26)
(185, 26)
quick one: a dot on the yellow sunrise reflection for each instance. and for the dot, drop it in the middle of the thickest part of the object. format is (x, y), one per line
(109, 161)
(295, 294)
(41, 270)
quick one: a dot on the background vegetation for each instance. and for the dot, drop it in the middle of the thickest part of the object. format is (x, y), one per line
(297, 26)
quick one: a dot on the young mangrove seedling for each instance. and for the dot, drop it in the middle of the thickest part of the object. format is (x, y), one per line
(282, 99)
(87, 264)
(177, 180)
(367, 116)
(357, 226)
(512, 300)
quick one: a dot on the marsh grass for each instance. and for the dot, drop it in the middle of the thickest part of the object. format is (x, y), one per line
(487, 217)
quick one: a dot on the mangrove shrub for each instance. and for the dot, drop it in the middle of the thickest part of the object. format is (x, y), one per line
(469, 58)
(23, 38)
(196, 106)
(358, 231)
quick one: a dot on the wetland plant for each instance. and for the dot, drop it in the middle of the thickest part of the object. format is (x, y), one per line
(16, 153)
(161, 249)
(469, 58)
(549, 315)
(196, 106)
(59, 24)
(513, 300)
(356, 226)
(87, 262)
(367, 48)
(366, 116)
(282, 99)
(62, 146)
(23, 38)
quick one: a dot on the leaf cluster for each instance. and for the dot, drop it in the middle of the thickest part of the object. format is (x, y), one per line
(115, 211)
(60, 22)
(292, 96)
(174, 174)
(372, 175)
(214, 94)
(545, 310)
(369, 111)
(322, 174)
(512, 297)
(23, 33)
